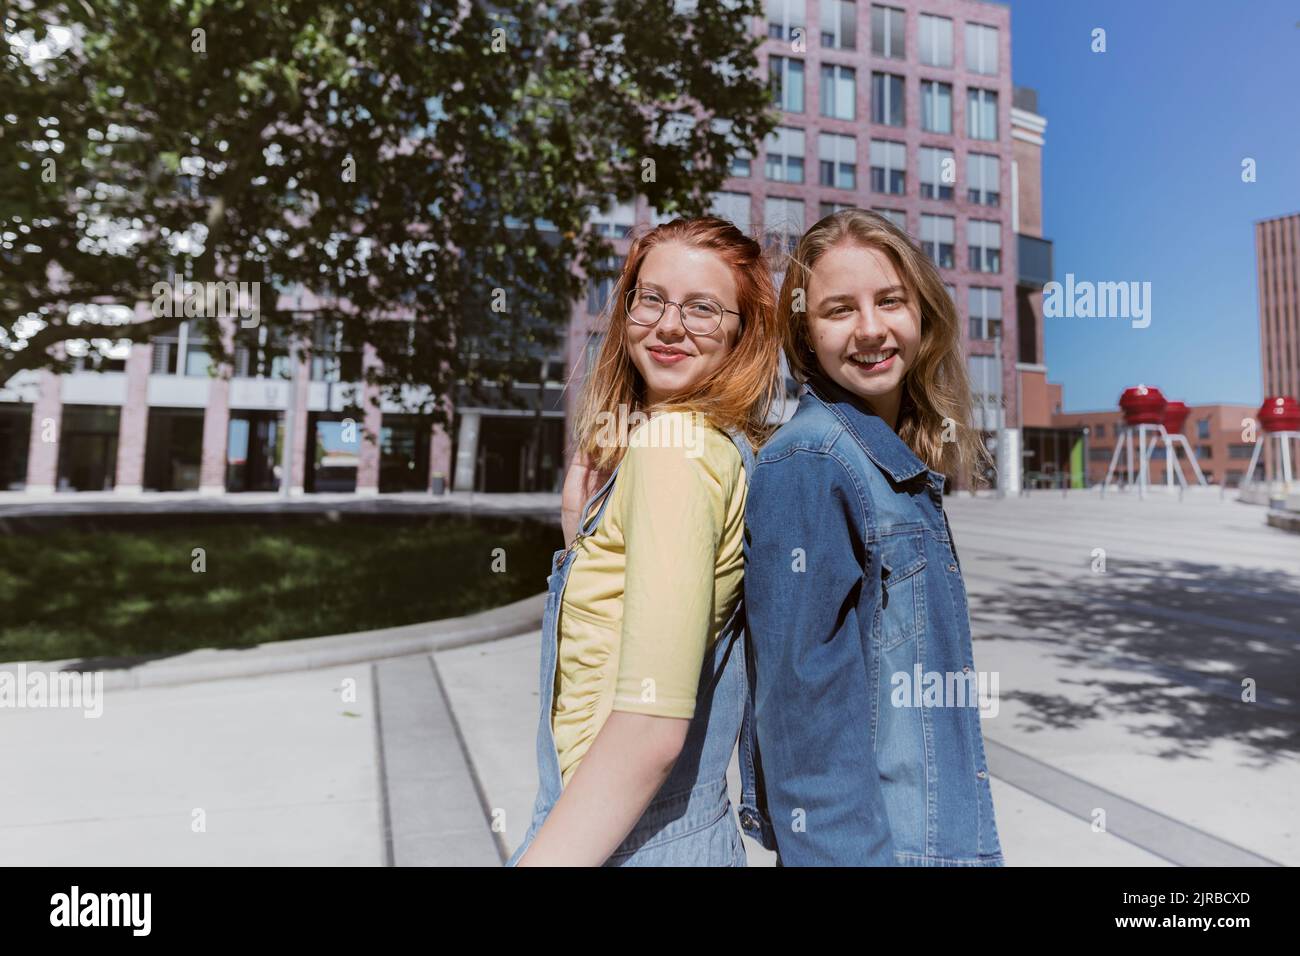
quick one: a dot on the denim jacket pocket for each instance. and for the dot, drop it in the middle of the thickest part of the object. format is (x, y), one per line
(902, 591)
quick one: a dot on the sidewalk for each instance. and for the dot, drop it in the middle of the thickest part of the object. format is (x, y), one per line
(1120, 703)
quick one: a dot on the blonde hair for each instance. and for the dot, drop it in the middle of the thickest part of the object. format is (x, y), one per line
(738, 395)
(936, 388)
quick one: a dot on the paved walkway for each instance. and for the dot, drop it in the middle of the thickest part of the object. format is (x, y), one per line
(1121, 737)
(19, 503)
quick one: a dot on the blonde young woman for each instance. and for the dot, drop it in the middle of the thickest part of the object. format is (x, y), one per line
(853, 589)
(643, 689)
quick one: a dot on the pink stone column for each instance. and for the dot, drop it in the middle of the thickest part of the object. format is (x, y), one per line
(133, 427)
(373, 416)
(43, 447)
(440, 448)
(216, 421)
(216, 431)
(302, 384)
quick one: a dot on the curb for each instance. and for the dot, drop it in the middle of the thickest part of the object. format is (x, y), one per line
(311, 652)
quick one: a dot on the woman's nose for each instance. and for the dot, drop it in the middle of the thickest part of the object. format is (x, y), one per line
(869, 325)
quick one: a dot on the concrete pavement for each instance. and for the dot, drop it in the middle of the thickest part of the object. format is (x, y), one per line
(1121, 736)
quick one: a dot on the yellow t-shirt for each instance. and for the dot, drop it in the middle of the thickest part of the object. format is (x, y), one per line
(650, 590)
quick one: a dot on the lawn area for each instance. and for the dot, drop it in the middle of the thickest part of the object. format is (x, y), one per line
(126, 593)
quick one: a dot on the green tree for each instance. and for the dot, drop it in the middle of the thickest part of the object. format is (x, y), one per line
(386, 155)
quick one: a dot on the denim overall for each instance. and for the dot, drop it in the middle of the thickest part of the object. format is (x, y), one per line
(689, 821)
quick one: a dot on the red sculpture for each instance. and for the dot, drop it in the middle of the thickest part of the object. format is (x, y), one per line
(1280, 413)
(1143, 405)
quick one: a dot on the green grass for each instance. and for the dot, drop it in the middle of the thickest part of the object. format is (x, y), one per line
(123, 594)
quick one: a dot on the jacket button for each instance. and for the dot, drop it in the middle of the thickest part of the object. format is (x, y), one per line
(981, 774)
(952, 567)
(965, 668)
(747, 821)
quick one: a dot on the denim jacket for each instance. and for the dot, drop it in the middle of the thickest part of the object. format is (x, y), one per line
(854, 596)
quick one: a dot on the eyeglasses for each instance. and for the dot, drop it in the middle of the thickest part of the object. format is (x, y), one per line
(699, 316)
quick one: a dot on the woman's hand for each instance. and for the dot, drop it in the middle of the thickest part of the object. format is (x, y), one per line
(580, 483)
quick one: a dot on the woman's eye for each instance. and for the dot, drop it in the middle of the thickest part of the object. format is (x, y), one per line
(891, 299)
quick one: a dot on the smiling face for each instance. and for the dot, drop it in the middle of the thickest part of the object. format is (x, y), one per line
(864, 325)
(670, 358)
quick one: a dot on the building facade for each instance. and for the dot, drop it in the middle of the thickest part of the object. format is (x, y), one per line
(1277, 257)
(905, 107)
(156, 416)
(1220, 435)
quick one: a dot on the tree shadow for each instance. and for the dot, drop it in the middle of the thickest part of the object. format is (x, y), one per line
(1189, 634)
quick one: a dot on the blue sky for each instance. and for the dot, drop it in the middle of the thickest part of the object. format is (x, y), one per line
(1142, 181)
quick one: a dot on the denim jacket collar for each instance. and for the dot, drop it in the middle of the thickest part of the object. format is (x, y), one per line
(882, 444)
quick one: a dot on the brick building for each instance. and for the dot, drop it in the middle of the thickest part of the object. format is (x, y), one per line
(1214, 431)
(905, 107)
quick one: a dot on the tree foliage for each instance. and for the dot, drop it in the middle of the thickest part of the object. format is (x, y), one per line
(430, 157)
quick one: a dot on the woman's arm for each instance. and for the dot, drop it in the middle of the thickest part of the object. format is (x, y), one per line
(812, 703)
(626, 765)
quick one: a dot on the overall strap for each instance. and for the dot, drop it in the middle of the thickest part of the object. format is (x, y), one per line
(754, 817)
(588, 525)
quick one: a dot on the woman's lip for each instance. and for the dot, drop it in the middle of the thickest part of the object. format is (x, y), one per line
(878, 367)
(666, 358)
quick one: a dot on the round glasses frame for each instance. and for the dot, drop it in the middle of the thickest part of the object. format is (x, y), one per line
(630, 299)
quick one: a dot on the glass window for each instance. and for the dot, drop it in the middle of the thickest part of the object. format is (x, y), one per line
(783, 221)
(839, 24)
(786, 78)
(981, 114)
(887, 99)
(982, 179)
(938, 239)
(984, 240)
(985, 312)
(615, 220)
(784, 148)
(592, 352)
(197, 361)
(896, 216)
(838, 160)
(785, 19)
(734, 207)
(986, 390)
(333, 360)
(741, 154)
(938, 170)
(981, 49)
(600, 288)
(825, 209)
(838, 91)
(936, 106)
(888, 167)
(936, 40)
(887, 32)
(1202, 428)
